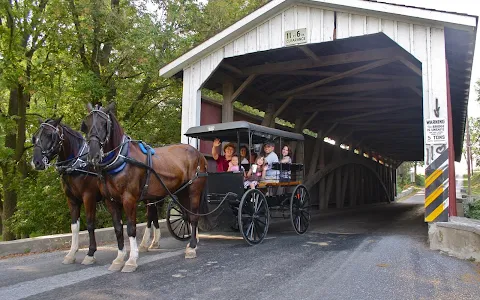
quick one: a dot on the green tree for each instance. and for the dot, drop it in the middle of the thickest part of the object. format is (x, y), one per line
(57, 55)
(23, 30)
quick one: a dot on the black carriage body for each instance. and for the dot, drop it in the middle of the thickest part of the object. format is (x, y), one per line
(266, 202)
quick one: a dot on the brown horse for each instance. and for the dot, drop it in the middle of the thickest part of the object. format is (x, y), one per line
(123, 164)
(56, 139)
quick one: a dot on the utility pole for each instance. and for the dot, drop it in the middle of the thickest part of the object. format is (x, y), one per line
(469, 191)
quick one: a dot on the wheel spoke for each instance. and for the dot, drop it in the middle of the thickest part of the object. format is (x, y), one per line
(181, 228)
(174, 207)
(179, 224)
(176, 220)
(306, 217)
(260, 221)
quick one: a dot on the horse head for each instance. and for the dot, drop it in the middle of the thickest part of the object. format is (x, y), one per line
(47, 142)
(97, 126)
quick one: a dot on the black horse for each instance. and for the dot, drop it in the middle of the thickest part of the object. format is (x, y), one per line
(54, 139)
(127, 166)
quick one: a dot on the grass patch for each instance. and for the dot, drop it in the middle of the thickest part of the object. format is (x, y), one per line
(475, 183)
(1, 238)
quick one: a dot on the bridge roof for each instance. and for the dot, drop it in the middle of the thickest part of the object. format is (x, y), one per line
(228, 55)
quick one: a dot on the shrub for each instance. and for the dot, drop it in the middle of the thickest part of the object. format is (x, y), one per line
(474, 210)
(420, 180)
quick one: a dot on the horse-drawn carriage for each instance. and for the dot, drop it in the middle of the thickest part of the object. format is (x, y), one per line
(251, 209)
(124, 172)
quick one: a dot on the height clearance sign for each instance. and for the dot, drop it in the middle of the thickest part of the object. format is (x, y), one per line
(436, 131)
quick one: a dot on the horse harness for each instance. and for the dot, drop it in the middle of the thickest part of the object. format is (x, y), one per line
(113, 164)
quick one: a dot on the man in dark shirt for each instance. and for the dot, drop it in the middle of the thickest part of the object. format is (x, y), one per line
(222, 161)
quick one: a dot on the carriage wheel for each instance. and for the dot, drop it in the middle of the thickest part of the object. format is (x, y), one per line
(300, 209)
(253, 217)
(177, 222)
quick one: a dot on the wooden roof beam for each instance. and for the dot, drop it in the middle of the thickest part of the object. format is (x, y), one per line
(309, 52)
(339, 76)
(307, 122)
(352, 98)
(242, 87)
(417, 91)
(231, 68)
(347, 106)
(329, 60)
(371, 113)
(359, 87)
(411, 66)
(364, 76)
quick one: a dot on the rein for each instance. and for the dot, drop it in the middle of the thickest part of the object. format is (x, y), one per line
(149, 168)
(95, 136)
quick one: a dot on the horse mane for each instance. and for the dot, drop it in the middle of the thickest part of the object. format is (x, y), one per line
(117, 131)
(74, 137)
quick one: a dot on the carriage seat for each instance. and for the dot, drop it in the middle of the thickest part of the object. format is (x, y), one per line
(293, 167)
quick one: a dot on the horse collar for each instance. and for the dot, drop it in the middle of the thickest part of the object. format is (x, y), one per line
(115, 163)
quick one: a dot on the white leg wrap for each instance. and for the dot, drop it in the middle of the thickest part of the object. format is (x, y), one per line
(133, 248)
(131, 264)
(190, 252)
(146, 237)
(120, 257)
(156, 239)
(70, 257)
(118, 262)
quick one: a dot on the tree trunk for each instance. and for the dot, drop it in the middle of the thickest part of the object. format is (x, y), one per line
(9, 170)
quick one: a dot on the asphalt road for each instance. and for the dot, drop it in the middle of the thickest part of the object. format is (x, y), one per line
(380, 253)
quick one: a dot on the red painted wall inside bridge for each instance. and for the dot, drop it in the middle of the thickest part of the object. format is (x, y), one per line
(211, 113)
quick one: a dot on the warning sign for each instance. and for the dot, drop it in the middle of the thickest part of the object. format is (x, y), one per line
(436, 131)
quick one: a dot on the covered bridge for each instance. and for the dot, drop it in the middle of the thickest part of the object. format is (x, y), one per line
(389, 83)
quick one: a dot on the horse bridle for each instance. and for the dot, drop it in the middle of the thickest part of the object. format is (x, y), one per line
(95, 135)
(57, 143)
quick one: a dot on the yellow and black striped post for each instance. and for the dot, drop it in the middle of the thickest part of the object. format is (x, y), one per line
(436, 189)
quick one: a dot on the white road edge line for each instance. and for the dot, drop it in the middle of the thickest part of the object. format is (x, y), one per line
(42, 285)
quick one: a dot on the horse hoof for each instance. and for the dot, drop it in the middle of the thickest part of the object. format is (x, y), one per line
(142, 248)
(190, 252)
(154, 247)
(68, 260)
(88, 260)
(129, 268)
(115, 267)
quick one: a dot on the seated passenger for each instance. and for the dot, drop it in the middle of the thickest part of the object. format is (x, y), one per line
(222, 161)
(270, 158)
(256, 173)
(244, 155)
(253, 157)
(285, 175)
(234, 167)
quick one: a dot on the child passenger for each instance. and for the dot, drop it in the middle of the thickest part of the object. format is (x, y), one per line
(234, 167)
(256, 173)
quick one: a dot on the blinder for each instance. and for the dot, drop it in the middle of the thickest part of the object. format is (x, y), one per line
(95, 135)
(56, 144)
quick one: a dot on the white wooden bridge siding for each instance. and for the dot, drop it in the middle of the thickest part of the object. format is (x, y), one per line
(427, 44)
